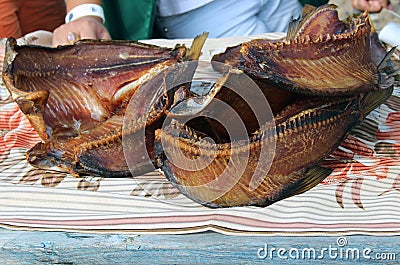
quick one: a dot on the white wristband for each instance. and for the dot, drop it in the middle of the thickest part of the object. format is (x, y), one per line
(85, 10)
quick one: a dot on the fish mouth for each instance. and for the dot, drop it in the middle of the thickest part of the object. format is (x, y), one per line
(75, 97)
(255, 138)
(319, 83)
(202, 153)
(321, 55)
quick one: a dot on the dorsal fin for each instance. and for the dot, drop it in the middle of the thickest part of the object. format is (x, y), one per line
(197, 45)
(307, 9)
(292, 28)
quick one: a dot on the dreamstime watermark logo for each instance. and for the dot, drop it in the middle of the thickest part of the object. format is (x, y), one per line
(222, 117)
(340, 250)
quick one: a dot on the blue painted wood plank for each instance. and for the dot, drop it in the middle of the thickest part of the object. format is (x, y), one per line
(202, 248)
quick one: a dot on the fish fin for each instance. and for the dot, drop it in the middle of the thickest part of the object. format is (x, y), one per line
(388, 55)
(292, 28)
(373, 99)
(197, 45)
(307, 9)
(311, 178)
(33, 105)
(373, 29)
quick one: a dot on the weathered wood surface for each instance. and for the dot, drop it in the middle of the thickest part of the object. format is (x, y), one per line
(22, 247)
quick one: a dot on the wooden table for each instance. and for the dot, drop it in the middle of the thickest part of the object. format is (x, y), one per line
(35, 247)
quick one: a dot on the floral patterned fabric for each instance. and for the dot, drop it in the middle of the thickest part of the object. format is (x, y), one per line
(360, 196)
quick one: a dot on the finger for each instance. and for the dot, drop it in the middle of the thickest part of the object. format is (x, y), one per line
(354, 3)
(56, 41)
(384, 3)
(374, 6)
(360, 4)
(72, 37)
(389, 5)
(104, 35)
(60, 37)
(88, 35)
(90, 28)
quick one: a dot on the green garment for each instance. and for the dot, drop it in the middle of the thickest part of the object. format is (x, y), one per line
(314, 2)
(129, 19)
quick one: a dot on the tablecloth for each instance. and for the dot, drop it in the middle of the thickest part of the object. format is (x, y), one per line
(360, 196)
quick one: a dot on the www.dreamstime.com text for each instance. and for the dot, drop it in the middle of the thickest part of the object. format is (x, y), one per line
(337, 251)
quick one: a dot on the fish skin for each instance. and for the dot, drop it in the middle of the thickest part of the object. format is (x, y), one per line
(75, 97)
(329, 70)
(317, 50)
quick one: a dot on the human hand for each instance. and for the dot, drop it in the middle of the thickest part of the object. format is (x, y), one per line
(88, 27)
(371, 5)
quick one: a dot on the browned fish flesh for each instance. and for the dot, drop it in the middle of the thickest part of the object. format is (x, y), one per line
(321, 54)
(75, 97)
(278, 160)
(330, 84)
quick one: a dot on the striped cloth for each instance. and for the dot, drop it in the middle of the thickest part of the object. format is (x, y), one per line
(360, 196)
